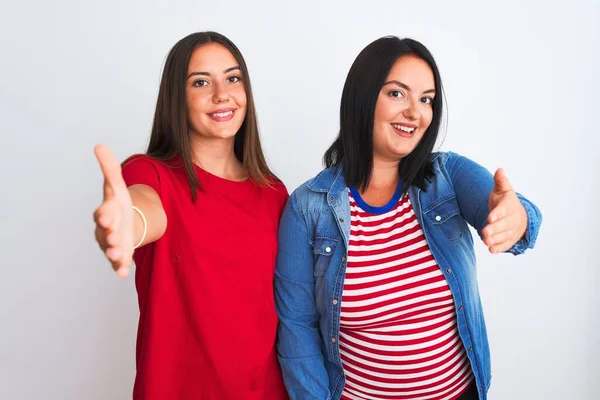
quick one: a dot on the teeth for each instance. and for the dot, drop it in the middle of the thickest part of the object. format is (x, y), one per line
(403, 128)
(224, 114)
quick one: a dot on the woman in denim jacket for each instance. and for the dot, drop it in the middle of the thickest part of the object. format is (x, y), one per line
(376, 285)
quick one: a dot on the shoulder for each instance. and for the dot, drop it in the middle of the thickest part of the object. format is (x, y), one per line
(141, 163)
(146, 170)
(140, 160)
(449, 161)
(440, 158)
(274, 192)
(306, 188)
(312, 193)
(457, 171)
(278, 189)
(303, 190)
(146, 163)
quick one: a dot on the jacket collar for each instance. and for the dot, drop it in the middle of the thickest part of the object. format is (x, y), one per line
(331, 180)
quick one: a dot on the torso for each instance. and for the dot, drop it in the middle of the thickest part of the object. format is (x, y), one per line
(207, 317)
(398, 333)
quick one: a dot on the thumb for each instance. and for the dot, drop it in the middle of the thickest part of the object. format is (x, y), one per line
(501, 182)
(111, 169)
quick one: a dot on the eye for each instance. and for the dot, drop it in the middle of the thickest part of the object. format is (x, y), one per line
(234, 79)
(396, 94)
(427, 100)
(200, 83)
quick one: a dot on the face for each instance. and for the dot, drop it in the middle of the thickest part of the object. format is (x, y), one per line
(404, 108)
(216, 98)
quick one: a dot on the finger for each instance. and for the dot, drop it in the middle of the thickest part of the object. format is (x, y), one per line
(123, 272)
(100, 235)
(122, 267)
(107, 190)
(113, 239)
(111, 169)
(121, 264)
(499, 226)
(501, 182)
(501, 247)
(118, 258)
(106, 215)
(500, 238)
(114, 255)
(499, 212)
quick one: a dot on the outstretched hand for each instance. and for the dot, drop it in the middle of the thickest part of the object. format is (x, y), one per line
(114, 217)
(507, 220)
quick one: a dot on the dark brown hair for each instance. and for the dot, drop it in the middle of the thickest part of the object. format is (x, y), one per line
(170, 137)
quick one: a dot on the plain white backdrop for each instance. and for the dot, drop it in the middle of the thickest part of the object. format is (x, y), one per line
(522, 93)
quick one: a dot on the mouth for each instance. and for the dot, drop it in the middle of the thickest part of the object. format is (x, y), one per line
(405, 130)
(222, 115)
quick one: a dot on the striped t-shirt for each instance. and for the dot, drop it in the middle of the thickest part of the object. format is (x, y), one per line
(398, 332)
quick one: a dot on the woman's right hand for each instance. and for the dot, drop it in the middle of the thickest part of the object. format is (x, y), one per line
(115, 216)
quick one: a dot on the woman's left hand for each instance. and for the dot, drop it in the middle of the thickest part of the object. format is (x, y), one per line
(507, 221)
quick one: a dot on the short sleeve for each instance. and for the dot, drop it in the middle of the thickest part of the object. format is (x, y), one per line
(282, 196)
(141, 170)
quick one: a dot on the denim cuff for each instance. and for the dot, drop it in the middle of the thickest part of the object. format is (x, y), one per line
(533, 223)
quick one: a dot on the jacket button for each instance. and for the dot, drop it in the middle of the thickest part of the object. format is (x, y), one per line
(470, 348)
(438, 218)
(460, 308)
(343, 259)
(448, 271)
(331, 198)
(334, 302)
(341, 219)
(327, 249)
(332, 340)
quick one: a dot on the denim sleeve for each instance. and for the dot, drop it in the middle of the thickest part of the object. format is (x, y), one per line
(473, 185)
(298, 340)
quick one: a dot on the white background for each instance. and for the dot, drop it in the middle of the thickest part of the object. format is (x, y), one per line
(522, 92)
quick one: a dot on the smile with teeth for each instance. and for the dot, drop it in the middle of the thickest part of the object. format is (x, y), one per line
(222, 114)
(403, 128)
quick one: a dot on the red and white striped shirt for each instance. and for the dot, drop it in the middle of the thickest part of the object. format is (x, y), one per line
(398, 332)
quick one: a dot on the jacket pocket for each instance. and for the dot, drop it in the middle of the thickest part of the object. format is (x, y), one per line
(323, 249)
(447, 218)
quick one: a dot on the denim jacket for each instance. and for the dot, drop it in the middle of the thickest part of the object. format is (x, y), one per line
(311, 263)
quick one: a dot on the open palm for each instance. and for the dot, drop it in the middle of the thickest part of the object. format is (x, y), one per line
(114, 217)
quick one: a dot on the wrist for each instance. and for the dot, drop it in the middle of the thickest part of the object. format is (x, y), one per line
(144, 227)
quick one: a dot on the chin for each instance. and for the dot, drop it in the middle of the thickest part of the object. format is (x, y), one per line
(224, 135)
(223, 132)
(407, 147)
(400, 153)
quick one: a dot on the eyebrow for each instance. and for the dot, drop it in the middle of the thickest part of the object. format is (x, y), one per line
(402, 85)
(236, 68)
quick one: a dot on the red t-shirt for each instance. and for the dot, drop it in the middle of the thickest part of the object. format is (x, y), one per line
(205, 289)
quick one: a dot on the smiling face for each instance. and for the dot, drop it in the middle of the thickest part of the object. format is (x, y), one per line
(404, 108)
(215, 93)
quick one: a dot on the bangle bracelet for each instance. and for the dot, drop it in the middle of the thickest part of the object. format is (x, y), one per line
(145, 227)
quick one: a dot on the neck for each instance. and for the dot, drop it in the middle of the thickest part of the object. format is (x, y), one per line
(217, 157)
(384, 174)
(383, 183)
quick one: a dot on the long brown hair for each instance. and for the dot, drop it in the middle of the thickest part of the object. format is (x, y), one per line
(170, 137)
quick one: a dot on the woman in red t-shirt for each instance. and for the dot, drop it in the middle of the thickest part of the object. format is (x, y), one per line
(201, 209)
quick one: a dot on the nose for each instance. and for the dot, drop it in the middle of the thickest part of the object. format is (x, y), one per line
(221, 94)
(412, 111)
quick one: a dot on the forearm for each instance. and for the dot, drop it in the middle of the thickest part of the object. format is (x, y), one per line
(299, 342)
